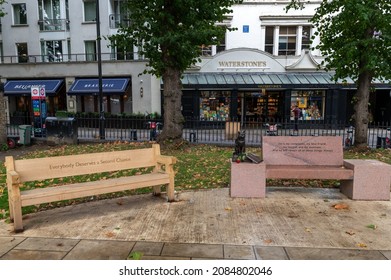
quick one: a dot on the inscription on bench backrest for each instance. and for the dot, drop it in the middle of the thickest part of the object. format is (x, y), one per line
(302, 150)
(63, 166)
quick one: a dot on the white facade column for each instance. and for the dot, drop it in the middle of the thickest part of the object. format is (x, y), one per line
(315, 42)
(263, 36)
(276, 40)
(299, 39)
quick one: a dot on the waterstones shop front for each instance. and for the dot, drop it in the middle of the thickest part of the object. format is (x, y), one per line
(253, 86)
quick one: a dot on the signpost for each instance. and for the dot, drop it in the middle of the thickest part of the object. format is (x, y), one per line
(38, 98)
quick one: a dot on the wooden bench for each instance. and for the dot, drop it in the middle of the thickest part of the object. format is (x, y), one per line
(27, 170)
(309, 157)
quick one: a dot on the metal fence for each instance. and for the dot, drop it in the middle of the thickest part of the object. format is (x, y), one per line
(126, 128)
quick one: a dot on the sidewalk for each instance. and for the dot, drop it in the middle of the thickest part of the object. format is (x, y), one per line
(290, 223)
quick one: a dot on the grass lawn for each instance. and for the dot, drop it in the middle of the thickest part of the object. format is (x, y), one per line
(198, 167)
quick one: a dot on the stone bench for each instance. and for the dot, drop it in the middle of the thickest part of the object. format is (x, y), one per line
(309, 157)
(160, 173)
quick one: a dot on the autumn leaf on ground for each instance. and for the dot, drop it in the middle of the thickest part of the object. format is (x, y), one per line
(110, 234)
(228, 208)
(341, 206)
(350, 232)
(361, 245)
(268, 241)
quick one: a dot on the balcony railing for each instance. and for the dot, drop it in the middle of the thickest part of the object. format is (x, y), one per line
(79, 57)
(53, 25)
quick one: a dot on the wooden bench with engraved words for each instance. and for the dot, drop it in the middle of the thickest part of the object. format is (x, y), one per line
(29, 170)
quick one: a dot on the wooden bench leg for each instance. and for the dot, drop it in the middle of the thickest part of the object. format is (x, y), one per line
(16, 209)
(157, 190)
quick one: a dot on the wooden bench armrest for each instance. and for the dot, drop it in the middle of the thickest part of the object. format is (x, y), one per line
(166, 159)
(14, 176)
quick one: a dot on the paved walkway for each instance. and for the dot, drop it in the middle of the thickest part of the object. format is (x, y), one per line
(291, 223)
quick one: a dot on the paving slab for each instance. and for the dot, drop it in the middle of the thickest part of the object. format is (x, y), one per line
(33, 255)
(8, 243)
(237, 252)
(193, 250)
(148, 248)
(100, 250)
(270, 253)
(47, 244)
(387, 254)
(332, 254)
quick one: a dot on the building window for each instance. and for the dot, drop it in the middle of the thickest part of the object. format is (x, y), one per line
(287, 40)
(23, 56)
(310, 102)
(1, 51)
(90, 49)
(306, 38)
(89, 10)
(122, 53)
(269, 39)
(222, 46)
(20, 13)
(206, 50)
(51, 51)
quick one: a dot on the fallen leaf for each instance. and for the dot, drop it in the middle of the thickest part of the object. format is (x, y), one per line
(228, 208)
(110, 234)
(371, 226)
(307, 229)
(268, 241)
(350, 232)
(341, 206)
(361, 245)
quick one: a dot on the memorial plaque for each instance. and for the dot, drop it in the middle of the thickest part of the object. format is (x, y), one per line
(302, 150)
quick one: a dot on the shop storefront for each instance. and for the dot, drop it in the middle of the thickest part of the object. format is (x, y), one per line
(20, 107)
(250, 85)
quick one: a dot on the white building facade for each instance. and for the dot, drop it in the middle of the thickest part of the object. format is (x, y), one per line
(260, 70)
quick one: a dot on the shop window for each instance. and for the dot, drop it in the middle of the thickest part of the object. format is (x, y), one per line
(115, 104)
(20, 13)
(206, 50)
(128, 107)
(310, 102)
(214, 106)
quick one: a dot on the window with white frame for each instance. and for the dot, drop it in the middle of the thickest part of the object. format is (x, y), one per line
(89, 10)
(287, 40)
(19, 13)
(51, 51)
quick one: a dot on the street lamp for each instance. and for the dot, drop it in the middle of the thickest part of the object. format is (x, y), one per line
(100, 86)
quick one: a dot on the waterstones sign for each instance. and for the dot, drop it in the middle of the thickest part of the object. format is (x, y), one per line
(242, 64)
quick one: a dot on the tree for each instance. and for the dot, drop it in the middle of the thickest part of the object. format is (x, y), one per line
(169, 34)
(355, 38)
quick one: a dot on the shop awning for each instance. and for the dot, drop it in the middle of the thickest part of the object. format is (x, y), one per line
(273, 80)
(23, 87)
(91, 86)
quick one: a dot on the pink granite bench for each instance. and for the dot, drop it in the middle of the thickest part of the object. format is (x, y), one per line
(308, 157)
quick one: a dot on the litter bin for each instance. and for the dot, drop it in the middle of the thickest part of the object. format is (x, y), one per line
(381, 142)
(61, 130)
(25, 134)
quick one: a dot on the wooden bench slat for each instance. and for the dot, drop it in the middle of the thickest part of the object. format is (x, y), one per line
(71, 191)
(64, 166)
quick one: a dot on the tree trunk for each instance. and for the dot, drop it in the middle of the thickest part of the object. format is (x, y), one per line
(361, 114)
(173, 118)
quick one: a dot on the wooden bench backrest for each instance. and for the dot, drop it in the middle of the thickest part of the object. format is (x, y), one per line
(64, 166)
(302, 150)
